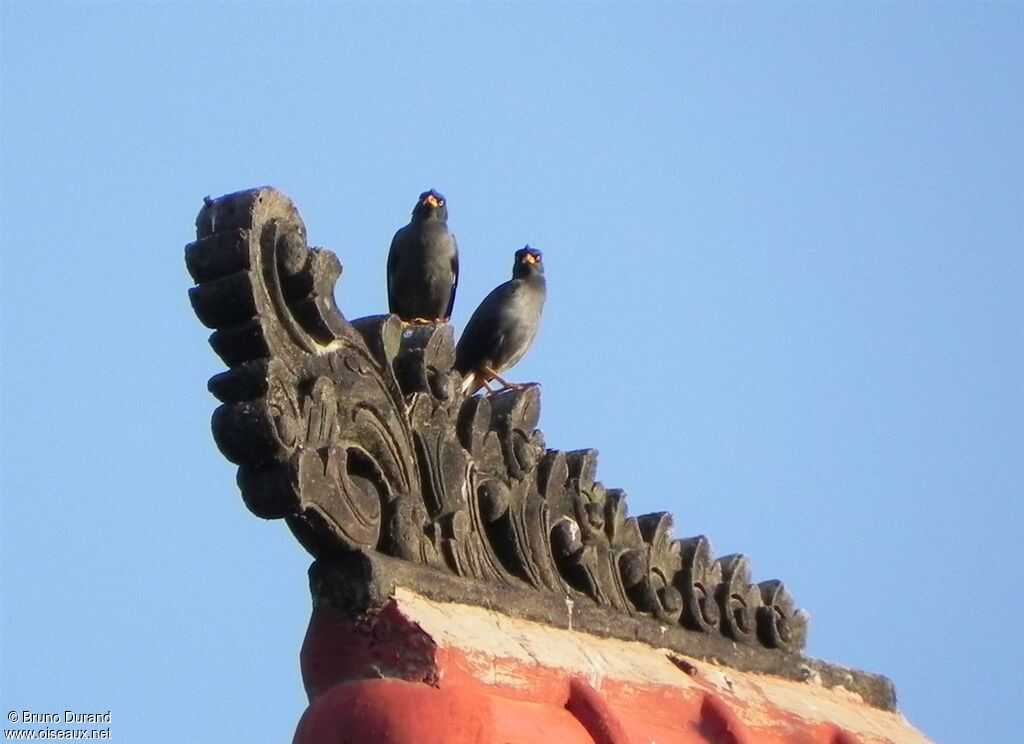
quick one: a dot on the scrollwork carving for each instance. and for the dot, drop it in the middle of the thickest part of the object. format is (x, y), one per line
(357, 435)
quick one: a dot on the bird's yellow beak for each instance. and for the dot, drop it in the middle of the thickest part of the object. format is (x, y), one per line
(530, 258)
(433, 201)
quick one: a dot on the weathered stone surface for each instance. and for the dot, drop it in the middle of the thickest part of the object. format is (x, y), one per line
(385, 663)
(359, 584)
(356, 434)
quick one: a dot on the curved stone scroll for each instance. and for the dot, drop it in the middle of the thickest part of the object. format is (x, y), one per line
(356, 434)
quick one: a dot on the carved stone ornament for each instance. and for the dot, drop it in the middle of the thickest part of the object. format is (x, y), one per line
(356, 434)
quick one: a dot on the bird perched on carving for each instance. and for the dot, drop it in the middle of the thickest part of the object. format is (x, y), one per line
(503, 327)
(423, 264)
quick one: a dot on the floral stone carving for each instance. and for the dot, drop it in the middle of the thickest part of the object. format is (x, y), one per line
(356, 434)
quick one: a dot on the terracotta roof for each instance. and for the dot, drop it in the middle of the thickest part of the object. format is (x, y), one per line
(417, 670)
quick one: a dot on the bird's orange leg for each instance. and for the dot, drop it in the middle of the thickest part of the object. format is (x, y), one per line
(486, 376)
(473, 382)
(505, 384)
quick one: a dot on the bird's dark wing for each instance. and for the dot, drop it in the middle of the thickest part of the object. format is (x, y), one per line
(393, 260)
(481, 340)
(455, 277)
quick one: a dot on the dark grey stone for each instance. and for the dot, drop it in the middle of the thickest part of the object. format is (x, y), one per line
(357, 435)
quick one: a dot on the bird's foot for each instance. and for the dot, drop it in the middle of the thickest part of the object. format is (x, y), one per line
(523, 385)
(425, 321)
(517, 386)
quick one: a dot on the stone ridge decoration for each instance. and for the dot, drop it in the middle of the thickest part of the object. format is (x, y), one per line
(356, 434)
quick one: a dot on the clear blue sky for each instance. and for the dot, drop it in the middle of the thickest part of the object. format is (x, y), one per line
(785, 253)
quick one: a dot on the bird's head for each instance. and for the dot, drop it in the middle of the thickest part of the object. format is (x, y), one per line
(529, 262)
(430, 205)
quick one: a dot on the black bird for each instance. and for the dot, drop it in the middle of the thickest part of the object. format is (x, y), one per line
(503, 327)
(423, 264)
